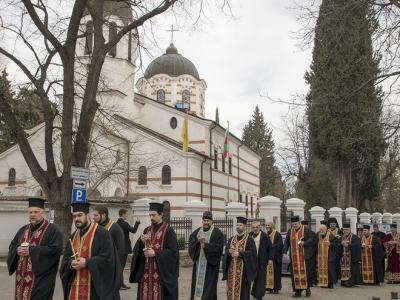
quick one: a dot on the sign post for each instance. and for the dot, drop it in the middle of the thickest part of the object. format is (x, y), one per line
(80, 176)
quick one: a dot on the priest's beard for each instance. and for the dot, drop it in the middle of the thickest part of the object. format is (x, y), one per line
(81, 224)
(206, 227)
(240, 232)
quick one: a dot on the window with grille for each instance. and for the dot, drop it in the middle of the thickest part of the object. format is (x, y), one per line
(142, 176)
(216, 159)
(89, 38)
(161, 96)
(166, 175)
(11, 177)
(111, 35)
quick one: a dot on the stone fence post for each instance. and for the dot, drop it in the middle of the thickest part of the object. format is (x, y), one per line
(235, 209)
(396, 219)
(194, 210)
(376, 217)
(270, 210)
(336, 212)
(317, 214)
(140, 209)
(365, 218)
(351, 215)
(387, 218)
(296, 206)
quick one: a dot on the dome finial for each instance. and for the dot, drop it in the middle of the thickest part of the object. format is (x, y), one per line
(172, 49)
(172, 30)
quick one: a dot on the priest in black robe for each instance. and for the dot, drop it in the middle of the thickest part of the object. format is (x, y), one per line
(334, 228)
(35, 253)
(156, 259)
(277, 246)
(312, 260)
(100, 216)
(90, 253)
(371, 252)
(240, 262)
(264, 256)
(350, 256)
(302, 241)
(206, 245)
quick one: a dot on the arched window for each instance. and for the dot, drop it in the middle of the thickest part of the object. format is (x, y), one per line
(167, 212)
(11, 177)
(186, 99)
(89, 38)
(111, 35)
(166, 175)
(142, 176)
(161, 95)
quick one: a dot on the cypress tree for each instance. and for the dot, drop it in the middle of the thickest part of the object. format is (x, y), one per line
(343, 104)
(258, 137)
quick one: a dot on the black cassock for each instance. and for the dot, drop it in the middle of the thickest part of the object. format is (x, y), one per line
(377, 257)
(103, 265)
(332, 258)
(44, 258)
(167, 261)
(277, 247)
(264, 254)
(312, 260)
(213, 252)
(309, 250)
(249, 257)
(355, 255)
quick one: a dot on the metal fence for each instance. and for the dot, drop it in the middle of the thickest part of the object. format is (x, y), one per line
(183, 229)
(226, 226)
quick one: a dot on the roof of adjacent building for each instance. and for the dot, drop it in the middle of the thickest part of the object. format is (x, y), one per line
(171, 63)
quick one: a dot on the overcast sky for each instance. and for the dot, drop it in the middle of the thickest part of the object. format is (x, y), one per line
(241, 57)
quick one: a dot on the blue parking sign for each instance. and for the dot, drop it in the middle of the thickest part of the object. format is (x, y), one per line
(78, 196)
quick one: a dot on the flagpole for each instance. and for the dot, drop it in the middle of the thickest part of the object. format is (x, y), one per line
(228, 162)
(187, 158)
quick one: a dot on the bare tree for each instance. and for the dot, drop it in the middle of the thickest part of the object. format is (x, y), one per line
(41, 38)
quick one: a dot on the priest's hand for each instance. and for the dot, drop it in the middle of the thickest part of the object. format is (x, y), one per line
(345, 244)
(270, 262)
(363, 245)
(301, 244)
(149, 253)
(79, 263)
(235, 254)
(23, 251)
(369, 246)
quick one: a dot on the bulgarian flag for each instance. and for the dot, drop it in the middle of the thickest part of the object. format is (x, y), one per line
(226, 148)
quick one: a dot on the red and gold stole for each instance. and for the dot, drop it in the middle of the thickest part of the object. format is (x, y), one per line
(367, 262)
(150, 282)
(24, 277)
(345, 260)
(82, 247)
(108, 225)
(269, 282)
(322, 260)
(236, 268)
(297, 256)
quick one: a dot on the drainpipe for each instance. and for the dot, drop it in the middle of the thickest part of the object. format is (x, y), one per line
(128, 143)
(202, 179)
(211, 164)
(238, 165)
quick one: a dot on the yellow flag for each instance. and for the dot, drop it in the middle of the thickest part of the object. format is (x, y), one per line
(185, 138)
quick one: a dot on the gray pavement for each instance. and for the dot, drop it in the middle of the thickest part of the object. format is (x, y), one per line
(338, 293)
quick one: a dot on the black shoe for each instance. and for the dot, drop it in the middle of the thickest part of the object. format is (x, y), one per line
(124, 287)
(275, 292)
(330, 286)
(296, 295)
(308, 292)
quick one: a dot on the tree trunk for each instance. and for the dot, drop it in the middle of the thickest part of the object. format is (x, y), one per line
(59, 199)
(344, 186)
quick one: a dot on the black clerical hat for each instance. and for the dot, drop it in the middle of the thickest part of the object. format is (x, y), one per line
(393, 225)
(36, 202)
(323, 222)
(155, 206)
(366, 227)
(242, 220)
(333, 220)
(295, 219)
(346, 225)
(304, 222)
(207, 215)
(359, 227)
(80, 207)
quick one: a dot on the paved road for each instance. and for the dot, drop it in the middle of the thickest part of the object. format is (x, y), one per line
(338, 293)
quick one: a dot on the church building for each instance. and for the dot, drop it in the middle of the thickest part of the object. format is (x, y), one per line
(136, 145)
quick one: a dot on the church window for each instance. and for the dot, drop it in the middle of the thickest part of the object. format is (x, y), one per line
(251, 206)
(130, 46)
(173, 123)
(230, 165)
(186, 99)
(111, 35)
(11, 177)
(166, 175)
(161, 96)
(216, 159)
(142, 176)
(89, 38)
(223, 163)
(240, 198)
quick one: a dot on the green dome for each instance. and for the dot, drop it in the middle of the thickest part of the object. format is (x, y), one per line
(172, 64)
